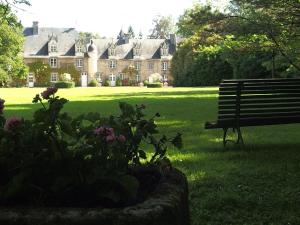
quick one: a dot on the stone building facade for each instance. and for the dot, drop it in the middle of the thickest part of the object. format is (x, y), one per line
(99, 59)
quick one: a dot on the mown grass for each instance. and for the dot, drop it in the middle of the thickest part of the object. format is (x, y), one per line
(257, 185)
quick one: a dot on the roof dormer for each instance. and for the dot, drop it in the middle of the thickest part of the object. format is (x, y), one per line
(164, 50)
(111, 50)
(52, 45)
(137, 49)
(79, 47)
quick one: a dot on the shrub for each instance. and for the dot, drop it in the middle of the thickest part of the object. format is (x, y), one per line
(93, 83)
(89, 160)
(65, 77)
(64, 84)
(4, 78)
(154, 85)
(106, 83)
(146, 82)
(118, 82)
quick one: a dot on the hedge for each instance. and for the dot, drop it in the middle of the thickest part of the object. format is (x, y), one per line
(64, 84)
(154, 85)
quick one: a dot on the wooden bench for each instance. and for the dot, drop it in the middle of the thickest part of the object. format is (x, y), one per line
(256, 102)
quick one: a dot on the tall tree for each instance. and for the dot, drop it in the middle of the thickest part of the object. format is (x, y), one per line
(11, 45)
(5, 8)
(162, 27)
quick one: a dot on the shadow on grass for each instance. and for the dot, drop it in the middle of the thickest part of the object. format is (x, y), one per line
(197, 94)
(255, 185)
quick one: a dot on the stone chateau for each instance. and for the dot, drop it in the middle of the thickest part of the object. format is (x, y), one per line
(99, 59)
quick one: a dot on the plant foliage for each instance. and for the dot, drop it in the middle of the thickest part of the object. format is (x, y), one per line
(90, 160)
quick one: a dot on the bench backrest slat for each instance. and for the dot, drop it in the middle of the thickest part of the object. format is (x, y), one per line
(258, 98)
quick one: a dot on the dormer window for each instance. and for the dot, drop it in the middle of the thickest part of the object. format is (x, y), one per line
(111, 52)
(52, 43)
(136, 49)
(53, 47)
(164, 50)
(111, 49)
(79, 48)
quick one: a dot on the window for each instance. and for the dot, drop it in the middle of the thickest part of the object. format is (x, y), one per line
(150, 66)
(54, 77)
(79, 62)
(111, 52)
(30, 77)
(53, 62)
(137, 65)
(112, 64)
(53, 48)
(165, 77)
(138, 78)
(164, 65)
(164, 51)
(121, 76)
(78, 48)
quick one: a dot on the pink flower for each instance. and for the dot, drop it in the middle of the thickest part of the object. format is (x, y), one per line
(110, 131)
(12, 123)
(48, 92)
(99, 130)
(121, 138)
(1, 105)
(110, 138)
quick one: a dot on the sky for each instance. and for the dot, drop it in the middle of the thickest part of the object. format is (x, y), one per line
(105, 17)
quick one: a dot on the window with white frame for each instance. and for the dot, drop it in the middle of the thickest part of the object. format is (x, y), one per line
(121, 76)
(138, 78)
(112, 64)
(165, 77)
(79, 62)
(150, 66)
(53, 62)
(54, 77)
(111, 51)
(164, 51)
(164, 65)
(79, 48)
(137, 65)
(53, 47)
(30, 77)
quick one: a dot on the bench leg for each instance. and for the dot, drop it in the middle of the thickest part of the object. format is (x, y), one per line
(224, 136)
(240, 137)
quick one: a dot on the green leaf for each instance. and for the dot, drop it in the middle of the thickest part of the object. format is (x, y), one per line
(142, 154)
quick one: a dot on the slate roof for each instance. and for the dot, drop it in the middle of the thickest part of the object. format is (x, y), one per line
(37, 45)
(150, 48)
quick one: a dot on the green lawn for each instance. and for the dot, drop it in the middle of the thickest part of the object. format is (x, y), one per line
(258, 185)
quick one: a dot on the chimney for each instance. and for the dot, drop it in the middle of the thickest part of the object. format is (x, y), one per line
(35, 27)
(173, 40)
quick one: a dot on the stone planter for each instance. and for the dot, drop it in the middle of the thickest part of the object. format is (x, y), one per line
(168, 205)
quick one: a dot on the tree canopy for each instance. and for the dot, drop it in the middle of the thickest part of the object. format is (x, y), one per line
(162, 27)
(11, 45)
(257, 38)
